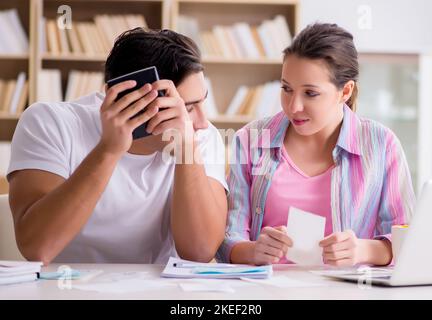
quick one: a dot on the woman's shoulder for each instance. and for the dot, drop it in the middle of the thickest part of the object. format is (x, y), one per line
(373, 132)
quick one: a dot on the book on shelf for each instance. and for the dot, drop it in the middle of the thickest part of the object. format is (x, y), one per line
(236, 101)
(50, 87)
(257, 102)
(81, 83)
(5, 151)
(209, 105)
(91, 38)
(188, 25)
(13, 38)
(13, 95)
(240, 40)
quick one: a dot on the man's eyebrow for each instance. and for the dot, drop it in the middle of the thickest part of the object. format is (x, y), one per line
(305, 85)
(197, 101)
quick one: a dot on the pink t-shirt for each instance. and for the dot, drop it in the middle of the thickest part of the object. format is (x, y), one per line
(292, 187)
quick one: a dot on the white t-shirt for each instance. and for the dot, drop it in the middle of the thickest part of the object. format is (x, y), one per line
(131, 221)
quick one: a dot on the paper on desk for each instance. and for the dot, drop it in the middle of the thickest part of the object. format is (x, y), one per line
(306, 231)
(124, 286)
(285, 282)
(122, 282)
(213, 270)
(209, 286)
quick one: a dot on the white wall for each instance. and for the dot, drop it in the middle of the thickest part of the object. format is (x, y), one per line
(377, 25)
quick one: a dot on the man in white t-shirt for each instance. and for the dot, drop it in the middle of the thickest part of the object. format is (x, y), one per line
(82, 190)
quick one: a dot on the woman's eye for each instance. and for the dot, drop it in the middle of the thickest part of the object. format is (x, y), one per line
(286, 89)
(312, 94)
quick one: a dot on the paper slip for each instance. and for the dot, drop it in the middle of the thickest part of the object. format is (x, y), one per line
(178, 268)
(306, 231)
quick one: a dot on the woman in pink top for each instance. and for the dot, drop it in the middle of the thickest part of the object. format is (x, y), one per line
(322, 158)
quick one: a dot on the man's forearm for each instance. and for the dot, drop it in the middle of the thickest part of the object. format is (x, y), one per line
(53, 221)
(198, 215)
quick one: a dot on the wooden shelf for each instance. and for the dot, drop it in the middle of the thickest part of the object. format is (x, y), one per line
(209, 60)
(12, 56)
(9, 117)
(69, 57)
(238, 119)
(4, 186)
(248, 2)
(226, 74)
(221, 60)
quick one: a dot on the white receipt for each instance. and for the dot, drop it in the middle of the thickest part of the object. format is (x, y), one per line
(306, 230)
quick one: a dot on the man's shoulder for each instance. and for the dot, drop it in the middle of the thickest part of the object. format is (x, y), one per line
(61, 113)
(210, 134)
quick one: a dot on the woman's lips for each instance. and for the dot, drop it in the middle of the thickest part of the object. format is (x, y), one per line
(299, 122)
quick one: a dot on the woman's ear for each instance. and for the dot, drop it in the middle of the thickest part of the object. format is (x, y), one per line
(347, 91)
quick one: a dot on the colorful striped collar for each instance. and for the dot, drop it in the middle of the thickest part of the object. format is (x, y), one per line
(349, 137)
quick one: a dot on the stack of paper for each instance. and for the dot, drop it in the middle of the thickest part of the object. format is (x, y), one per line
(18, 271)
(178, 268)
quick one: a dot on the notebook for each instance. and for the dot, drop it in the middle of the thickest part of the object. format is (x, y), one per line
(179, 268)
(18, 271)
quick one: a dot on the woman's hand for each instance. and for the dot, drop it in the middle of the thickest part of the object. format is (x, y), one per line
(271, 245)
(343, 249)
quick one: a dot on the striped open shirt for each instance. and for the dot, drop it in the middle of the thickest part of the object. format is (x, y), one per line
(371, 187)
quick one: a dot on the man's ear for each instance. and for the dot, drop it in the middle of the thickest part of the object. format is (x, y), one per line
(105, 88)
(347, 91)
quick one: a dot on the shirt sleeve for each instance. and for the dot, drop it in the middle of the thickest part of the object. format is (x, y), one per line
(397, 197)
(38, 142)
(239, 182)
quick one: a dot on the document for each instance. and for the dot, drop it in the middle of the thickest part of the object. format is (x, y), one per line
(178, 268)
(18, 271)
(306, 231)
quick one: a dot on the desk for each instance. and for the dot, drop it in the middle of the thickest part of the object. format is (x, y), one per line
(47, 289)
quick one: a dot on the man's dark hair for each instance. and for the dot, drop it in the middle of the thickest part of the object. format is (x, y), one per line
(174, 55)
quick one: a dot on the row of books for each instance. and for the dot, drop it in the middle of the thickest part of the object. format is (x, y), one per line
(257, 102)
(13, 95)
(240, 40)
(90, 38)
(5, 153)
(79, 83)
(13, 38)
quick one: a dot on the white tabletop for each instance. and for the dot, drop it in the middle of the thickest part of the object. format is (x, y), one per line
(330, 289)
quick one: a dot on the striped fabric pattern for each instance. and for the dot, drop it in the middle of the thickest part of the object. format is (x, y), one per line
(371, 187)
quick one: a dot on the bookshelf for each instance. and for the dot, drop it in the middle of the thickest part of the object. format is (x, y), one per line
(155, 13)
(34, 15)
(12, 63)
(227, 74)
